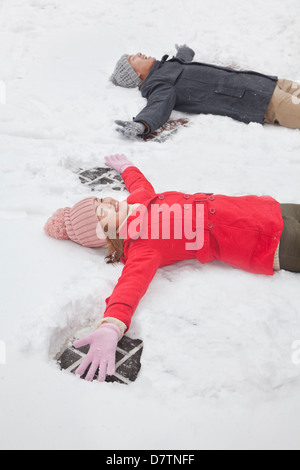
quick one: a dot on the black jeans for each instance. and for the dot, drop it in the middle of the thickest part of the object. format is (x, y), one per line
(289, 253)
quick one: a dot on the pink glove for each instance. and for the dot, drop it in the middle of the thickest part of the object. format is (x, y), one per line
(103, 344)
(118, 162)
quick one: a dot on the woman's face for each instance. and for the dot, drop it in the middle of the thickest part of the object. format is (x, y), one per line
(111, 213)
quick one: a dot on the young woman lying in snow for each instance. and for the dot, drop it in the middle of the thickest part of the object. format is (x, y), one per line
(150, 230)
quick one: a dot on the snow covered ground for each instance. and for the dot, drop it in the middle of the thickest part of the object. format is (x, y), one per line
(221, 359)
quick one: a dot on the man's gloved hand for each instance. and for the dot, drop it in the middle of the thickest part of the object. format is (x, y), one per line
(179, 47)
(184, 53)
(130, 128)
(118, 162)
(103, 345)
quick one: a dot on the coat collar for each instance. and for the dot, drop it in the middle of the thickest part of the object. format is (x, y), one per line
(155, 67)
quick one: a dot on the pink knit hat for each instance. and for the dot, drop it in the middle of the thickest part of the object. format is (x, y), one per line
(79, 224)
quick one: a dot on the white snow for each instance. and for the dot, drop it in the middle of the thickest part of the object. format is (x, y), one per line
(220, 368)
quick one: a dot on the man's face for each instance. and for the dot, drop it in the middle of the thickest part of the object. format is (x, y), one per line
(141, 64)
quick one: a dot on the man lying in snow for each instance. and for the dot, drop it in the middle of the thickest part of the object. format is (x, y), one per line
(194, 87)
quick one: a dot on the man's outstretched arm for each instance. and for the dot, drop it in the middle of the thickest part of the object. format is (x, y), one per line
(160, 105)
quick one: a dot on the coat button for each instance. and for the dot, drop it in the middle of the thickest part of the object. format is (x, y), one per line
(161, 197)
(186, 196)
(212, 211)
(211, 198)
(210, 226)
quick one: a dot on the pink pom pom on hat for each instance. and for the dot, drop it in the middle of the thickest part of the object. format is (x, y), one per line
(79, 224)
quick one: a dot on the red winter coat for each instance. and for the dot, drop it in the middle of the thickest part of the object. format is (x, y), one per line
(241, 231)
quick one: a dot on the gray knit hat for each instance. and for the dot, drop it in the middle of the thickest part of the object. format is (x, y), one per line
(124, 75)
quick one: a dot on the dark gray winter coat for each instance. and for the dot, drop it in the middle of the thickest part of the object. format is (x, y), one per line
(194, 87)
